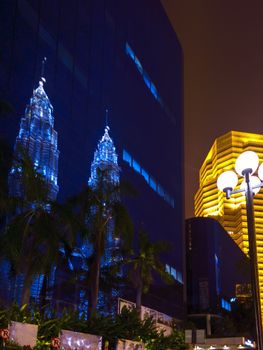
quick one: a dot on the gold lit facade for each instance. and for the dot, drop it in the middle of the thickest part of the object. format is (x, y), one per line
(231, 213)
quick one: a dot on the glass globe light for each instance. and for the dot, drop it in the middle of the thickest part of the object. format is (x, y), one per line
(228, 179)
(247, 160)
(254, 181)
(260, 171)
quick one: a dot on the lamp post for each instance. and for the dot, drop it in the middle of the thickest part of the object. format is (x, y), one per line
(246, 165)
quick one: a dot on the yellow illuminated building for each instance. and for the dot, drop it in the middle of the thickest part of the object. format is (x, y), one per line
(231, 213)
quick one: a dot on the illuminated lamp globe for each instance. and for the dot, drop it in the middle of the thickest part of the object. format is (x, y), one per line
(228, 179)
(247, 160)
(260, 171)
(255, 181)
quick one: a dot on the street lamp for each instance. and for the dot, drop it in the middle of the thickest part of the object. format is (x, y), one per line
(246, 165)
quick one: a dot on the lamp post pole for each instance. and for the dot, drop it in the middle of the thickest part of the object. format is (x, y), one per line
(253, 258)
(246, 164)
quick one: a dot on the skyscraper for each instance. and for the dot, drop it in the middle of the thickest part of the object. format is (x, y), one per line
(105, 171)
(231, 213)
(105, 158)
(38, 138)
(106, 161)
(215, 266)
(122, 54)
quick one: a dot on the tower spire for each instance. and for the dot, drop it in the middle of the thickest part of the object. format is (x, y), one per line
(105, 157)
(107, 118)
(42, 78)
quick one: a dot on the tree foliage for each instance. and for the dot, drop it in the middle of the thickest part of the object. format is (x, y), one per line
(126, 325)
(98, 209)
(144, 263)
(35, 227)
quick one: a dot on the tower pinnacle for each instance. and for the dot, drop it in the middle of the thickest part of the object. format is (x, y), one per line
(105, 157)
(38, 136)
(43, 70)
(107, 118)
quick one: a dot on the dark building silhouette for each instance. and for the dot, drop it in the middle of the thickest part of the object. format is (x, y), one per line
(120, 55)
(215, 266)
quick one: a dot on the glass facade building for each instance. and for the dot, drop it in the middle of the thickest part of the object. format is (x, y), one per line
(231, 213)
(215, 268)
(120, 55)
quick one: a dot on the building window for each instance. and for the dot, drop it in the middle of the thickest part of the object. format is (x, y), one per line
(153, 184)
(225, 305)
(145, 175)
(147, 80)
(129, 51)
(217, 273)
(177, 275)
(148, 178)
(136, 166)
(127, 157)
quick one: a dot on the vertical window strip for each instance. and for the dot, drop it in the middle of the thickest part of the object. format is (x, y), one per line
(177, 275)
(148, 178)
(147, 80)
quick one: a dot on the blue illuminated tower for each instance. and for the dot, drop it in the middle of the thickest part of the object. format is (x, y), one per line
(105, 158)
(106, 161)
(39, 138)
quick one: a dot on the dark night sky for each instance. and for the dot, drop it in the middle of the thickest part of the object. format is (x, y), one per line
(222, 42)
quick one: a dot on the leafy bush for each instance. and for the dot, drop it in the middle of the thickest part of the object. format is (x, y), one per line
(126, 325)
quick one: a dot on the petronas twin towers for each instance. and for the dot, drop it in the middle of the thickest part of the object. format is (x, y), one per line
(39, 138)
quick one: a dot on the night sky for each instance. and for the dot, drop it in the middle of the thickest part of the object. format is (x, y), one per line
(222, 42)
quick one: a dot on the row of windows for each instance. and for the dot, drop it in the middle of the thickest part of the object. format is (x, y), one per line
(147, 177)
(148, 82)
(177, 275)
(150, 85)
(225, 305)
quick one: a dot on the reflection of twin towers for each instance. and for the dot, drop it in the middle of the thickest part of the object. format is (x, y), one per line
(38, 138)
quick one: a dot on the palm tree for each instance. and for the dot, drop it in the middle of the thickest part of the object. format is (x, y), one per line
(144, 264)
(35, 228)
(98, 208)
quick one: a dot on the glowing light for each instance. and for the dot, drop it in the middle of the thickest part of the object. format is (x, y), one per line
(254, 180)
(249, 343)
(228, 179)
(76, 340)
(260, 171)
(225, 305)
(212, 213)
(247, 160)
